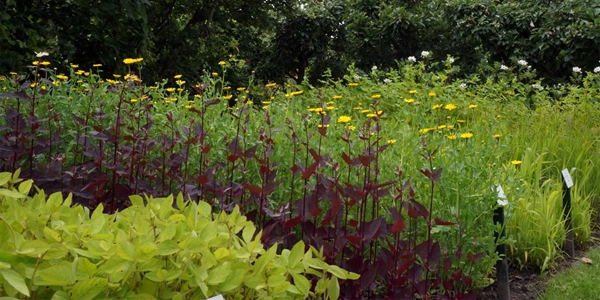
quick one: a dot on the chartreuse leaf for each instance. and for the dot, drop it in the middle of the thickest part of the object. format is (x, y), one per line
(296, 254)
(218, 274)
(301, 283)
(145, 251)
(235, 278)
(125, 250)
(85, 269)
(168, 233)
(52, 235)
(11, 194)
(88, 289)
(15, 280)
(333, 289)
(204, 209)
(136, 200)
(4, 178)
(25, 186)
(60, 275)
(61, 295)
(33, 248)
(167, 248)
(54, 202)
(248, 233)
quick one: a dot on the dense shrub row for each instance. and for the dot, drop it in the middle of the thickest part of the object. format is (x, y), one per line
(281, 39)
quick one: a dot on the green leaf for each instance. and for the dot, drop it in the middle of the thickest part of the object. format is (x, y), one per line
(316, 263)
(33, 248)
(296, 254)
(262, 261)
(248, 233)
(167, 248)
(4, 178)
(256, 281)
(338, 272)
(61, 295)
(85, 267)
(25, 186)
(10, 194)
(233, 281)
(145, 252)
(15, 280)
(52, 235)
(204, 209)
(136, 200)
(60, 275)
(301, 283)
(276, 280)
(221, 254)
(54, 201)
(88, 289)
(168, 233)
(333, 289)
(126, 251)
(218, 274)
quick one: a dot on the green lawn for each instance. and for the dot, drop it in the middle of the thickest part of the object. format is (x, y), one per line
(581, 281)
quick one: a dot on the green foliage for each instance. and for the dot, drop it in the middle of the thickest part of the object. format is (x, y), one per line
(159, 248)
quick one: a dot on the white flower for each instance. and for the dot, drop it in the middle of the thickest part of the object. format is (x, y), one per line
(522, 62)
(387, 80)
(503, 67)
(463, 85)
(357, 77)
(41, 54)
(597, 70)
(576, 70)
(412, 58)
(451, 60)
(424, 54)
(502, 202)
(537, 87)
(374, 68)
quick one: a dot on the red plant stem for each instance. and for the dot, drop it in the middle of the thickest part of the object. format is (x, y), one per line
(116, 151)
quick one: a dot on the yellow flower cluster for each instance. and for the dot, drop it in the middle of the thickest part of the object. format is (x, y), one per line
(272, 84)
(129, 61)
(344, 119)
(450, 106)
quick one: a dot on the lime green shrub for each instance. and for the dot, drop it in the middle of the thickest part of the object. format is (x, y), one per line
(155, 249)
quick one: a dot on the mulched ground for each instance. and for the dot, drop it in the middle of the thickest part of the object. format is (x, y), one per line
(529, 284)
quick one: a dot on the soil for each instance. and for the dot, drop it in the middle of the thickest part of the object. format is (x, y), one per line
(529, 283)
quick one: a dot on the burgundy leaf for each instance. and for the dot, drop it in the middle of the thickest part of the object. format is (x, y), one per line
(206, 149)
(398, 225)
(315, 155)
(311, 169)
(253, 189)
(447, 264)
(476, 257)
(347, 159)
(441, 222)
(405, 265)
(353, 238)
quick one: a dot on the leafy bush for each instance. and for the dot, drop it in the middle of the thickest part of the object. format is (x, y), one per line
(157, 248)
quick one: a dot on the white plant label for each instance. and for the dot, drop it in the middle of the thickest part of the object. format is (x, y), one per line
(217, 297)
(567, 177)
(501, 196)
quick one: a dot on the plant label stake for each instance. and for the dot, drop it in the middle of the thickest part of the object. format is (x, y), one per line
(567, 184)
(502, 287)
